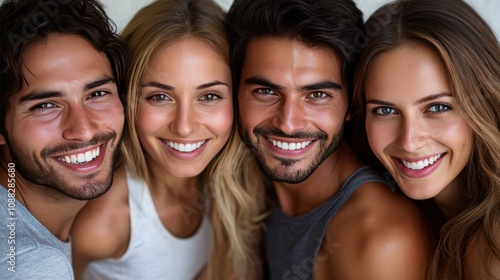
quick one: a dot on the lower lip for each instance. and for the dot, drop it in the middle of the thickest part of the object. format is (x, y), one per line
(288, 153)
(185, 155)
(87, 167)
(411, 173)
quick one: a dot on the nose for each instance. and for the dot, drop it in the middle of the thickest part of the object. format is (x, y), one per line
(412, 134)
(291, 115)
(185, 120)
(79, 124)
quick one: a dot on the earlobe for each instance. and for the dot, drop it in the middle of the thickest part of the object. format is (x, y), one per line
(348, 116)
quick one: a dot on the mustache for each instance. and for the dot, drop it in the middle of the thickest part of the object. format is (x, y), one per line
(299, 134)
(68, 147)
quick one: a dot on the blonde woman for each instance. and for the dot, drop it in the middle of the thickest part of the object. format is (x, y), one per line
(184, 161)
(427, 89)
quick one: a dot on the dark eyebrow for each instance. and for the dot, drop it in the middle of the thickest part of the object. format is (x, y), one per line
(158, 85)
(98, 83)
(211, 84)
(38, 95)
(260, 81)
(322, 85)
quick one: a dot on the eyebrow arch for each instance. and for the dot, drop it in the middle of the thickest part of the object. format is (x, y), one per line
(98, 83)
(260, 81)
(39, 95)
(322, 85)
(211, 84)
(420, 101)
(158, 85)
(432, 97)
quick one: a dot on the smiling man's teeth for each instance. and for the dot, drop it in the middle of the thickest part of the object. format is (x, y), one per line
(186, 148)
(421, 164)
(82, 158)
(289, 146)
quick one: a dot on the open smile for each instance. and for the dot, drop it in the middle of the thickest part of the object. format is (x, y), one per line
(289, 146)
(185, 147)
(81, 158)
(420, 164)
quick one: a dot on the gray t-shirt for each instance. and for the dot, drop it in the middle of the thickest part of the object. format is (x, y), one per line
(28, 250)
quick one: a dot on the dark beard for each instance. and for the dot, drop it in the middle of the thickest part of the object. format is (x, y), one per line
(38, 171)
(285, 172)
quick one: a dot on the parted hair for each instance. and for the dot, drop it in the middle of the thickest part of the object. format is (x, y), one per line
(25, 22)
(232, 179)
(470, 53)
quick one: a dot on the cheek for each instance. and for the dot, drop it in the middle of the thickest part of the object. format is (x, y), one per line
(149, 120)
(220, 121)
(378, 136)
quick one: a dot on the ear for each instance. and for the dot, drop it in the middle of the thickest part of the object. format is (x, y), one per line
(348, 116)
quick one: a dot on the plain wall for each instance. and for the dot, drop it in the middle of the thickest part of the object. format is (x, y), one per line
(121, 11)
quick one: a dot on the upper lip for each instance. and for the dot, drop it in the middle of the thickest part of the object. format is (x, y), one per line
(419, 158)
(78, 151)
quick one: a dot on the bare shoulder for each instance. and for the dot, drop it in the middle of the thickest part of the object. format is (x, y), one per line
(102, 228)
(377, 234)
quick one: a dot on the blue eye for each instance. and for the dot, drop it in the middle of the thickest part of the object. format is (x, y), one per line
(439, 108)
(383, 111)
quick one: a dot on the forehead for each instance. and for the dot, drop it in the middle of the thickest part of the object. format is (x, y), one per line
(61, 61)
(280, 57)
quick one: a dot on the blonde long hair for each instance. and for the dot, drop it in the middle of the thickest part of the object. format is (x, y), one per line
(471, 55)
(233, 181)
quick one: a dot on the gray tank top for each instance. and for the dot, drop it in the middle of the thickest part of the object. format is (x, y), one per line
(292, 243)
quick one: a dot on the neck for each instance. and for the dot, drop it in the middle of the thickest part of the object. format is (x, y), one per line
(449, 201)
(53, 210)
(323, 184)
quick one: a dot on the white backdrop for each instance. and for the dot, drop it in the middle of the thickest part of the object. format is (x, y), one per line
(122, 10)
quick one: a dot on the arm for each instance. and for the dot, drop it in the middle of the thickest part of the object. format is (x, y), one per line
(102, 228)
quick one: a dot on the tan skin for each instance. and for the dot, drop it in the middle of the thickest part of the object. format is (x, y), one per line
(185, 98)
(69, 97)
(377, 234)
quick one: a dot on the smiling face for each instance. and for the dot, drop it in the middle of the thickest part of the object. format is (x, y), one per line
(292, 106)
(413, 124)
(65, 124)
(185, 111)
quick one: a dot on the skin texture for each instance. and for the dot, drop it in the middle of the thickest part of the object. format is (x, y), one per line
(185, 98)
(68, 106)
(412, 116)
(293, 93)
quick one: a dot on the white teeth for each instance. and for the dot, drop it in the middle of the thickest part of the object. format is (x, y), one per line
(185, 148)
(289, 146)
(82, 158)
(421, 164)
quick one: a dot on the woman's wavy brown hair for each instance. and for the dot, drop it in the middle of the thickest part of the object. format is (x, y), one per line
(471, 56)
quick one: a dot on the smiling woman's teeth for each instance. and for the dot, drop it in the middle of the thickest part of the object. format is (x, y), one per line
(289, 146)
(81, 158)
(421, 164)
(186, 148)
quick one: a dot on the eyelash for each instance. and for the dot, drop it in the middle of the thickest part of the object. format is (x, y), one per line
(158, 98)
(42, 106)
(214, 97)
(444, 108)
